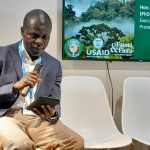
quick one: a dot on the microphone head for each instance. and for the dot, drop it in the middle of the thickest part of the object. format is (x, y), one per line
(38, 68)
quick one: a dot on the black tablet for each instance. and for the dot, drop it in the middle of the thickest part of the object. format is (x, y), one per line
(43, 101)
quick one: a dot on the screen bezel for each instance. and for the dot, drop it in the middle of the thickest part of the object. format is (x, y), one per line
(92, 59)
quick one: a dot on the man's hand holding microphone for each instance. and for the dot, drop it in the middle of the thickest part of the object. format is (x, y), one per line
(29, 80)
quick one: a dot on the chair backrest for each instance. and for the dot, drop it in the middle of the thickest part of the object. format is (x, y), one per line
(136, 108)
(85, 107)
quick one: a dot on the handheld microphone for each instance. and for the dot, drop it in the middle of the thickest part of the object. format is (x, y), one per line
(25, 91)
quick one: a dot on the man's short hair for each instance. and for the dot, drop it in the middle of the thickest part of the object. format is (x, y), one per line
(37, 14)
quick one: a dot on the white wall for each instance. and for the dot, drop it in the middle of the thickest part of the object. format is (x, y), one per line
(12, 13)
(11, 17)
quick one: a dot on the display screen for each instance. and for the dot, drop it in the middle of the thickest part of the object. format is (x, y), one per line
(106, 30)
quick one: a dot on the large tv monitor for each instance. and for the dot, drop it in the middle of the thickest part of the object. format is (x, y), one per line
(106, 30)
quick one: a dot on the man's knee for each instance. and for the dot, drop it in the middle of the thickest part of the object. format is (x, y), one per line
(7, 121)
(18, 145)
(12, 135)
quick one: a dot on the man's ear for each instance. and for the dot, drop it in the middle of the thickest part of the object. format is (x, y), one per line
(22, 31)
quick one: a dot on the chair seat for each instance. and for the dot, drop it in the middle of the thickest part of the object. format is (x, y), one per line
(143, 137)
(135, 109)
(85, 109)
(114, 141)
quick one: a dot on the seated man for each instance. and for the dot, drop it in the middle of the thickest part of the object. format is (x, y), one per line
(20, 128)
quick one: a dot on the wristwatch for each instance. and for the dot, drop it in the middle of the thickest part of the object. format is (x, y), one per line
(53, 119)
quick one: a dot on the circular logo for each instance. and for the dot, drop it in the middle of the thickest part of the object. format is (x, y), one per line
(98, 43)
(73, 47)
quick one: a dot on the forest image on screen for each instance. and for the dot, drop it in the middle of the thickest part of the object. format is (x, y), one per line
(106, 29)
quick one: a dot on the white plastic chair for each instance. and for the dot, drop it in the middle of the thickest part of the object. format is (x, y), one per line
(136, 109)
(85, 109)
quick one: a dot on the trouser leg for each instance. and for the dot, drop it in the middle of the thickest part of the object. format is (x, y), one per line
(56, 137)
(50, 137)
(13, 136)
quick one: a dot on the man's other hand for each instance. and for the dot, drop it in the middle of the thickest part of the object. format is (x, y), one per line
(45, 111)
